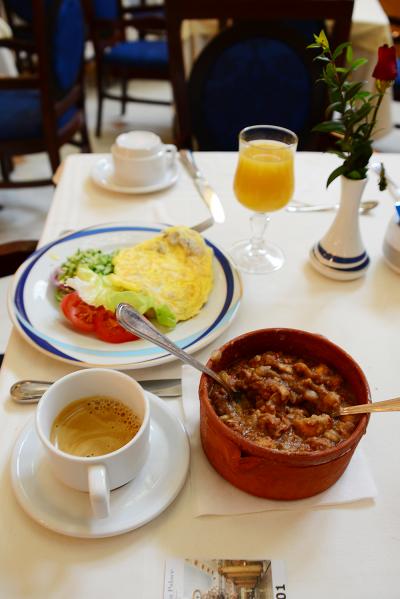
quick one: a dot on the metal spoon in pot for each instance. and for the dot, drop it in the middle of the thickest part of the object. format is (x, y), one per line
(135, 323)
(30, 391)
(365, 207)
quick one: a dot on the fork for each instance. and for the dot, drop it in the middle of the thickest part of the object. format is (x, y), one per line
(200, 227)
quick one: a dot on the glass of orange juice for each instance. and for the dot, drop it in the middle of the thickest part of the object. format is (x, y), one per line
(264, 183)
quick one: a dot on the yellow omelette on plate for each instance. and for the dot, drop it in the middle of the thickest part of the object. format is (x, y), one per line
(175, 267)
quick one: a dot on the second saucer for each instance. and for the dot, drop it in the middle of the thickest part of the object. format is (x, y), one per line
(102, 174)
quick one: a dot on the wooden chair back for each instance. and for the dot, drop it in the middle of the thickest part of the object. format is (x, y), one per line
(59, 81)
(109, 21)
(14, 253)
(19, 17)
(241, 12)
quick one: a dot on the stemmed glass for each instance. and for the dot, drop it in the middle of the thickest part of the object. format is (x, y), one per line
(264, 182)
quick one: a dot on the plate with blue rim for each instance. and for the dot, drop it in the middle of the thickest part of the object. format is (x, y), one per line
(36, 315)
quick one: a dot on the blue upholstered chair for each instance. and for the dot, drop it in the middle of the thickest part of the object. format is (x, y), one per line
(41, 112)
(119, 59)
(252, 74)
(255, 71)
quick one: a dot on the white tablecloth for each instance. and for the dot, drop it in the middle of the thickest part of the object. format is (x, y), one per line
(347, 552)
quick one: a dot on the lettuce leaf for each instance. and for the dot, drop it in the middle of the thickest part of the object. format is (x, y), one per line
(98, 290)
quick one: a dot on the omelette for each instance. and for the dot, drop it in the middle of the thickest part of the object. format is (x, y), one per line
(175, 267)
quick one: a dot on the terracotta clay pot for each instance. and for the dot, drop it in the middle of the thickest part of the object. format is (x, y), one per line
(272, 473)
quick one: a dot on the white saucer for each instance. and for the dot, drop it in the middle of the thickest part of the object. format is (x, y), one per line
(102, 173)
(67, 511)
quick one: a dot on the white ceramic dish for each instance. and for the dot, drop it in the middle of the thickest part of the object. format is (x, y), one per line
(102, 174)
(37, 316)
(66, 511)
(391, 244)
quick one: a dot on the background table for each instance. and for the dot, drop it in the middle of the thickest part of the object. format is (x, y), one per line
(347, 552)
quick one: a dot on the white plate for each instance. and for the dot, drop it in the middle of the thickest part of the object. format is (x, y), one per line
(68, 512)
(102, 173)
(37, 316)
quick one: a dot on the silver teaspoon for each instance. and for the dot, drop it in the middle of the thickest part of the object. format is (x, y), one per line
(134, 322)
(365, 207)
(30, 391)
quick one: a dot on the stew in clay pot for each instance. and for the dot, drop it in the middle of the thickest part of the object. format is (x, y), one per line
(288, 403)
(283, 439)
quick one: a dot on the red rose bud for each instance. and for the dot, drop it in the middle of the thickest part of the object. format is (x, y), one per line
(386, 67)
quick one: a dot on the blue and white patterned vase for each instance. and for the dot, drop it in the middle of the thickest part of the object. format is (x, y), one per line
(341, 253)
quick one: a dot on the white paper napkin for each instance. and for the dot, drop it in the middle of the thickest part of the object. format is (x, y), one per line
(213, 495)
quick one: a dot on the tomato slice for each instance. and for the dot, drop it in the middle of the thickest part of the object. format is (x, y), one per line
(80, 314)
(108, 329)
(89, 319)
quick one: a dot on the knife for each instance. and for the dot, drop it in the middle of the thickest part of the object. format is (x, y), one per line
(206, 192)
(30, 391)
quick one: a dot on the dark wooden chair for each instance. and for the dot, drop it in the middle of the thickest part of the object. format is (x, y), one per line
(43, 111)
(14, 253)
(19, 14)
(120, 59)
(257, 70)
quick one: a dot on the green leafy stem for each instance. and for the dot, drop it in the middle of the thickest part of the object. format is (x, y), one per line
(356, 108)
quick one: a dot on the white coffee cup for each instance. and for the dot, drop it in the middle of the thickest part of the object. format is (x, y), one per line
(101, 474)
(141, 159)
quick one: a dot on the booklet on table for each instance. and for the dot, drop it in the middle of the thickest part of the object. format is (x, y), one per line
(202, 578)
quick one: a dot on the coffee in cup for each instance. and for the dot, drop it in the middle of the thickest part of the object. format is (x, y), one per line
(141, 159)
(94, 426)
(113, 452)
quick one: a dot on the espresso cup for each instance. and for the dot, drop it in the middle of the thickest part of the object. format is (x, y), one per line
(95, 474)
(141, 159)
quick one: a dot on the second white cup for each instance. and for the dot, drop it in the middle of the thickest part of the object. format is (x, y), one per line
(100, 474)
(141, 159)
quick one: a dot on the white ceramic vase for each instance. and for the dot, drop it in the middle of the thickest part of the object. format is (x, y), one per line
(341, 253)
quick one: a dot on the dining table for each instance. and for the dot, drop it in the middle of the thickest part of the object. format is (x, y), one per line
(344, 543)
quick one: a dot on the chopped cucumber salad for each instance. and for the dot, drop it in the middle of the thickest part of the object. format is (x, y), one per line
(96, 260)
